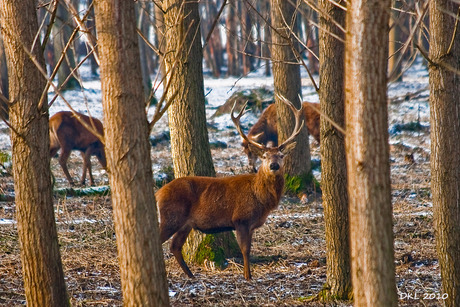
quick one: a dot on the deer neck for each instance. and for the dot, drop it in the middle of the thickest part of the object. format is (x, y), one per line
(269, 187)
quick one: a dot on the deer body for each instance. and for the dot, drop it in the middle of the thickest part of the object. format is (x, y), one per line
(67, 133)
(265, 130)
(241, 203)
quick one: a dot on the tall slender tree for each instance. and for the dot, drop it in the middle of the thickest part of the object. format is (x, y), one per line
(190, 148)
(333, 160)
(287, 82)
(371, 231)
(142, 270)
(41, 262)
(3, 81)
(444, 74)
(233, 66)
(62, 31)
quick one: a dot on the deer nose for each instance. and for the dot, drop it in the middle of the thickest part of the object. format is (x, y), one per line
(274, 166)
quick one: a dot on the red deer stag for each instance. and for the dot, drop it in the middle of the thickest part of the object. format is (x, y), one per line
(241, 203)
(265, 130)
(68, 133)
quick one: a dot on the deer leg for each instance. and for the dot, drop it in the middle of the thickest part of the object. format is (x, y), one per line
(177, 242)
(53, 151)
(63, 162)
(244, 237)
(87, 166)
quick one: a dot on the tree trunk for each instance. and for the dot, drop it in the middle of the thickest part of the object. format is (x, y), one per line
(187, 117)
(311, 32)
(41, 261)
(394, 68)
(265, 49)
(190, 148)
(142, 10)
(233, 67)
(371, 233)
(61, 35)
(333, 159)
(246, 41)
(3, 81)
(286, 74)
(159, 37)
(445, 142)
(213, 50)
(142, 270)
(91, 26)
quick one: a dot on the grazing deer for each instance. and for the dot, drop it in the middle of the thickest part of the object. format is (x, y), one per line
(265, 130)
(68, 133)
(212, 205)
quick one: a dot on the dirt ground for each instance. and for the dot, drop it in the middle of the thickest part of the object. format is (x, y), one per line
(288, 252)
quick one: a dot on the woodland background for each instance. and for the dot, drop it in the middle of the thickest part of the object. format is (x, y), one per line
(240, 59)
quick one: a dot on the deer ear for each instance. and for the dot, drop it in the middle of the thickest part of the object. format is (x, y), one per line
(288, 148)
(259, 152)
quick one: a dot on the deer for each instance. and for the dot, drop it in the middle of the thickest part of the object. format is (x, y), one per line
(216, 204)
(68, 133)
(265, 130)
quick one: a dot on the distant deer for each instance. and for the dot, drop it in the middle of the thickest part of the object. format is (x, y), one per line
(212, 205)
(68, 133)
(265, 130)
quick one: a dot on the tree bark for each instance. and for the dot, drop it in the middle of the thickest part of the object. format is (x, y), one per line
(41, 261)
(3, 81)
(142, 10)
(233, 66)
(286, 75)
(190, 148)
(213, 51)
(142, 270)
(394, 68)
(371, 233)
(333, 159)
(61, 36)
(445, 141)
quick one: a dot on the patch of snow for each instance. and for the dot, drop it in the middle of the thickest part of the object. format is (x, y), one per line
(7, 222)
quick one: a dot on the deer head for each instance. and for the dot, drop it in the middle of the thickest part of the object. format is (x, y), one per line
(272, 157)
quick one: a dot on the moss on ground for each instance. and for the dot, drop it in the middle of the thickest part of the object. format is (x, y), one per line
(217, 248)
(299, 184)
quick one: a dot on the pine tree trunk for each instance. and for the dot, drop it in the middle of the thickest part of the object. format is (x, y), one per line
(445, 142)
(333, 159)
(142, 270)
(286, 74)
(41, 261)
(369, 188)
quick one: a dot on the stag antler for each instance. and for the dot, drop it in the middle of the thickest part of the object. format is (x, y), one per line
(236, 121)
(299, 122)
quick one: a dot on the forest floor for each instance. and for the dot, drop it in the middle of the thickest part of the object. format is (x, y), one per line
(288, 252)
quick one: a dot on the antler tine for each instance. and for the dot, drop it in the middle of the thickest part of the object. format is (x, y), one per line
(236, 121)
(299, 122)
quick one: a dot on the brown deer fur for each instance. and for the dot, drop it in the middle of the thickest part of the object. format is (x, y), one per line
(241, 203)
(265, 130)
(67, 134)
